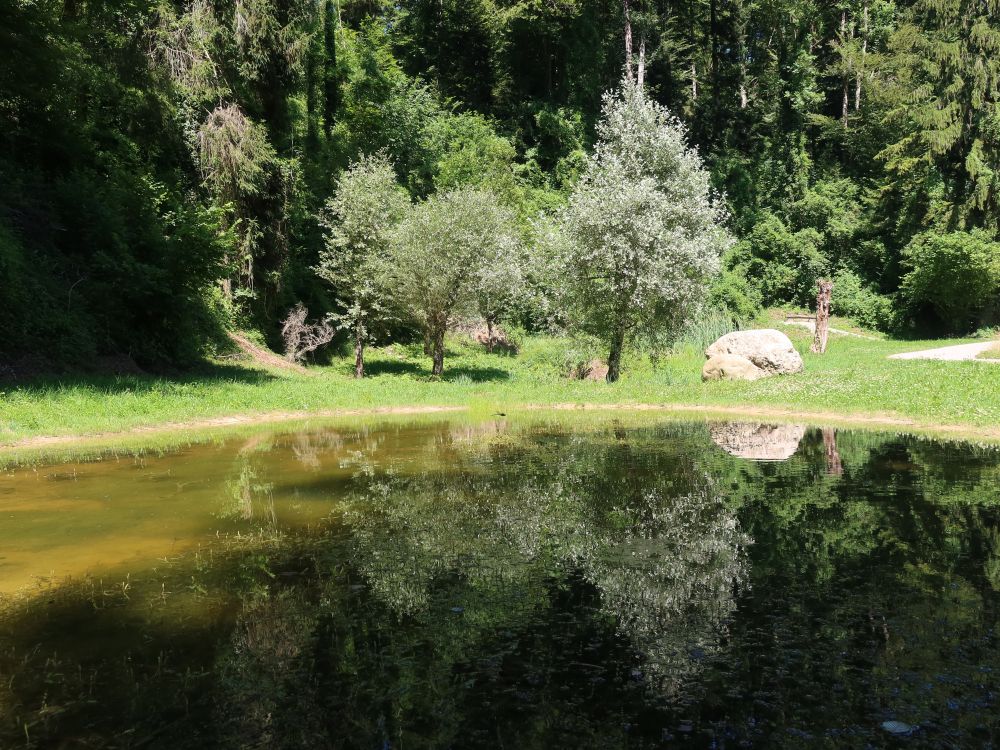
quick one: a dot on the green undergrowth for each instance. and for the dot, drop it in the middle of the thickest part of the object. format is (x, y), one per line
(854, 378)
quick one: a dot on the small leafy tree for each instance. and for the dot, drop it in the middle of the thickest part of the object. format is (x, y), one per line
(367, 205)
(957, 274)
(500, 286)
(643, 233)
(443, 253)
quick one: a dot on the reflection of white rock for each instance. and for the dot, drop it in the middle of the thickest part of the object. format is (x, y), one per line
(758, 442)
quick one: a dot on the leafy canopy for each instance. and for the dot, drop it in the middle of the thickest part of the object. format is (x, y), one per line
(643, 233)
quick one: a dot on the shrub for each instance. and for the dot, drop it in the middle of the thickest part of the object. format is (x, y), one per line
(956, 274)
(783, 264)
(734, 294)
(852, 299)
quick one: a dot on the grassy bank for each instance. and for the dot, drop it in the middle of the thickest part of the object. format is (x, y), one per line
(854, 379)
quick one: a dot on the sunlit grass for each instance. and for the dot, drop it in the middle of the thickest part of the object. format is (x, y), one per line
(992, 353)
(853, 378)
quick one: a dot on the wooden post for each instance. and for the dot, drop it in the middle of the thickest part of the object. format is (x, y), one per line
(822, 316)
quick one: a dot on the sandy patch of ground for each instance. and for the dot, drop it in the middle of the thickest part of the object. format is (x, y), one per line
(951, 353)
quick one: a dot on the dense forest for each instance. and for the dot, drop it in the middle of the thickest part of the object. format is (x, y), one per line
(170, 169)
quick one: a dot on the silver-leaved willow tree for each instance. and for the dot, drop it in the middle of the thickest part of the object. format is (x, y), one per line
(642, 233)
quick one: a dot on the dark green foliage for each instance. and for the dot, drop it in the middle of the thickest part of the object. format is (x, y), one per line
(866, 307)
(781, 265)
(162, 163)
(956, 275)
(102, 249)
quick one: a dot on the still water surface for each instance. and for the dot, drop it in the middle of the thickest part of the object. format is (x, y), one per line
(525, 584)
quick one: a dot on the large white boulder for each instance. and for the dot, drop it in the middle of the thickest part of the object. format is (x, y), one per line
(731, 367)
(770, 350)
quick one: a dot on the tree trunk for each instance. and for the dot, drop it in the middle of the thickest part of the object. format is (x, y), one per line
(628, 41)
(713, 30)
(843, 106)
(822, 316)
(692, 15)
(330, 84)
(864, 56)
(359, 351)
(615, 357)
(549, 62)
(312, 137)
(489, 335)
(740, 30)
(846, 97)
(641, 75)
(438, 353)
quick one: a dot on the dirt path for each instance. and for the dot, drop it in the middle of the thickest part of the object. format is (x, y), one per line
(265, 357)
(953, 353)
(811, 325)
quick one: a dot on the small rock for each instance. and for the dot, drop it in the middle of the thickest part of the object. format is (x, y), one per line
(898, 728)
(595, 369)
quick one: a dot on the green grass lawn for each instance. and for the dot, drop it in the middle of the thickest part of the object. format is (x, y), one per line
(992, 353)
(853, 379)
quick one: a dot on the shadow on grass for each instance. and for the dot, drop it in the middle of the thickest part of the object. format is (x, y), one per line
(206, 374)
(451, 373)
(475, 374)
(392, 367)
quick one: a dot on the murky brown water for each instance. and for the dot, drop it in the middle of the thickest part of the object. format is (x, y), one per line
(454, 583)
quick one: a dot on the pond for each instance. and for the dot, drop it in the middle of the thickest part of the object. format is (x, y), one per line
(505, 583)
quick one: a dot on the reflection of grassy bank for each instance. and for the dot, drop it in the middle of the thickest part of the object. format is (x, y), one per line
(854, 379)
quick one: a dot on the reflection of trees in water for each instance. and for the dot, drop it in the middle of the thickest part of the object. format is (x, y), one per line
(665, 562)
(309, 448)
(670, 581)
(355, 449)
(543, 588)
(261, 680)
(249, 498)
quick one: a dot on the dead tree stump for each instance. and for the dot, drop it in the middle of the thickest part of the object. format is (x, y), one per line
(822, 316)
